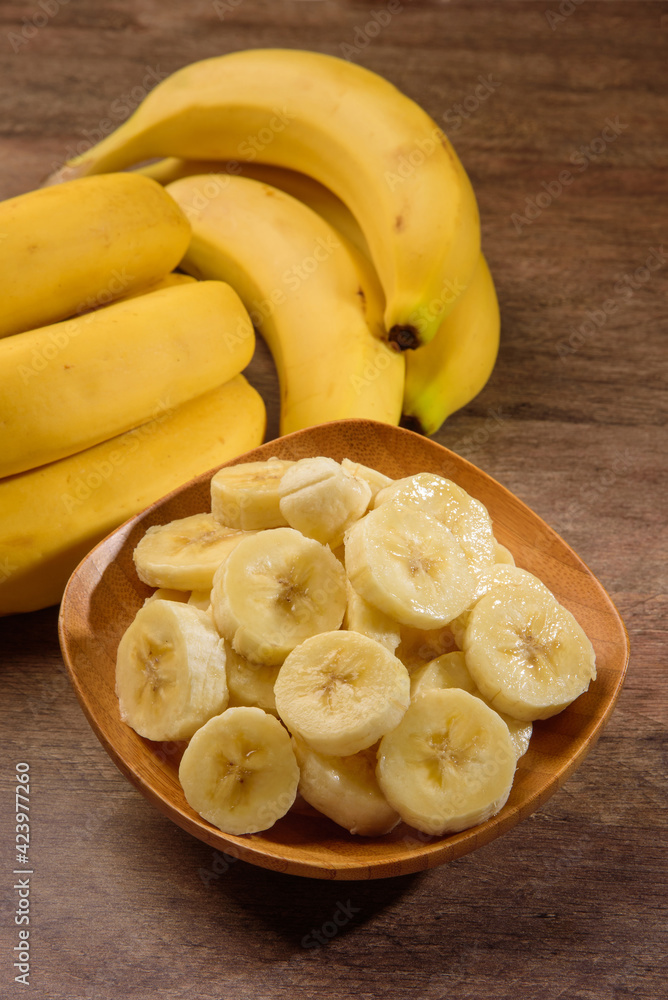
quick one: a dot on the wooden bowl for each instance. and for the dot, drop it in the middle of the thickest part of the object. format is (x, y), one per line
(104, 594)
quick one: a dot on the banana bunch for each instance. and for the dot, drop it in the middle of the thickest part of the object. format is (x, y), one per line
(371, 164)
(348, 638)
(118, 378)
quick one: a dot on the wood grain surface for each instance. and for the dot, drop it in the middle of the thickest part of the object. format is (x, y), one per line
(571, 903)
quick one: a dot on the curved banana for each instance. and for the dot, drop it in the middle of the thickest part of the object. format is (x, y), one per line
(441, 376)
(446, 374)
(347, 127)
(312, 297)
(300, 186)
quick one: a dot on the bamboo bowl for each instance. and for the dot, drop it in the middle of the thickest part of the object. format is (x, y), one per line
(104, 593)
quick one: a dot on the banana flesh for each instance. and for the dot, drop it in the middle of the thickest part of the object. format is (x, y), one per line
(274, 590)
(449, 764)
(341, 691)
(185, 553)
(345, 789)
(239, 771)
(170, 671)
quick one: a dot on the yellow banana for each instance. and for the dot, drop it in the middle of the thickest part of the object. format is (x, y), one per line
(67, 387)
(52, 516)
(65, 250)
(169, 281)
(313, 298)
(343, 125)
(300, 186)
(446, 374)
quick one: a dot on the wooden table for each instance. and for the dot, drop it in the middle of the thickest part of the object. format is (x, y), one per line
(571, 903)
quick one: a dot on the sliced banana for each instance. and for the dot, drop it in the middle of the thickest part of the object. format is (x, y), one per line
(249, 683)
(165, 594)
(362, 617)
(502, 554)
(419, 646)
(239, 771)
(409, 565)
(247, 496)
(449, 764)
(376, 480)
(170, 671)
(276, 589)
(345, 789)
(341, 691)
(450, 671)
(527, 654)
(447, 671)
(184, 554)
(321, 500)
(200, 599)
(448, 503)
(498, 575)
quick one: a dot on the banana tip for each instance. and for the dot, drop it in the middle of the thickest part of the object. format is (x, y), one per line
(404, 337)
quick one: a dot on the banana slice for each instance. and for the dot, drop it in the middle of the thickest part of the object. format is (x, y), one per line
(341, 691)
(503, 554)
(447, 671)
(409, 565)
(450, 671)
(165, 594)
(276, 589)
(247, 496)
(345, 789)
(526, 653)
(419, 646)
(449, 764)
(321, 500)
(200, 599)
(250, 684)
(184, 554)
(170, 671)
(239, 771)
(448, 503)
(376, 480)
(498, 575)
(362, 617)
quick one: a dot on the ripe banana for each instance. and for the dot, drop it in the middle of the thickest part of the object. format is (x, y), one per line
(302, 187)
(72, 248)
(239, 771)
(52, 516)
(249, 683)
(274, 590)
(341, 691)
(66, 387)
(446, 374)
(184, 554)
(362, 617)
(345, 789)
(314, 300)
(347, 127)
(170, 671)
(449, 764)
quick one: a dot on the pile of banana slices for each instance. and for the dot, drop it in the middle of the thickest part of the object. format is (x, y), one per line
(364, 642)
